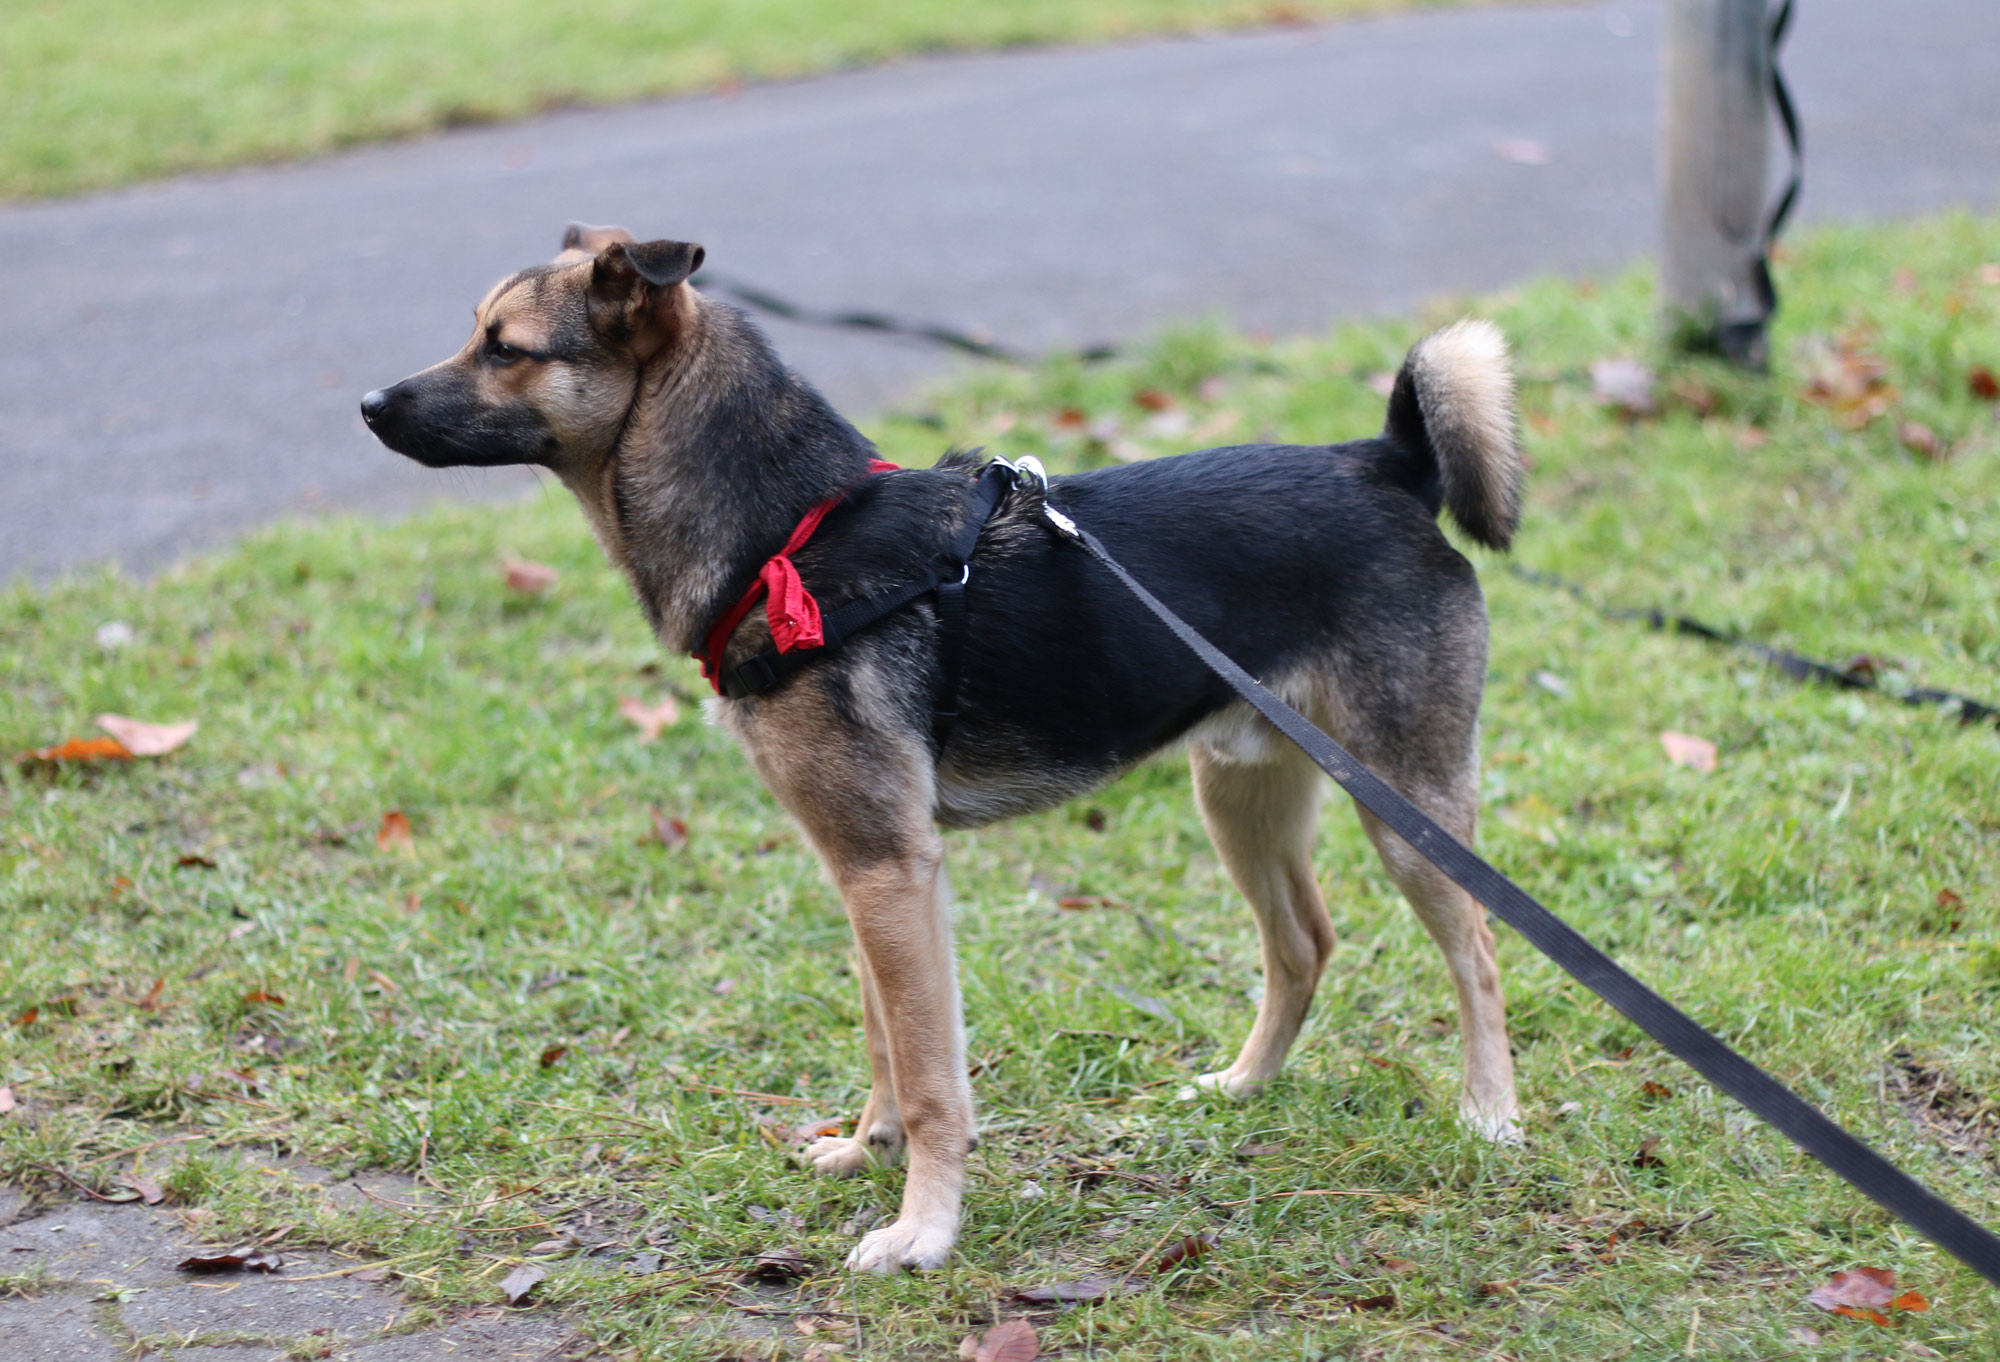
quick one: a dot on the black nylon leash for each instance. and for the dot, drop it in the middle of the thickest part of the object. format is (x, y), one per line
(1805, 1125)
(1856, 675)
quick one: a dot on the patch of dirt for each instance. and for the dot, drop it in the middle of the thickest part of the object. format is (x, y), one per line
(1965, 1122)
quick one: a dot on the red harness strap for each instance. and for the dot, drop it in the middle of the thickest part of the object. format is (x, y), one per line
(791, 609)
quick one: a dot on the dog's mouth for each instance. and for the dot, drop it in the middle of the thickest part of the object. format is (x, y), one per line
(440, 428)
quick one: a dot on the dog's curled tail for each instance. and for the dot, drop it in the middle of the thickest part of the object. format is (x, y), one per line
(1453, 408)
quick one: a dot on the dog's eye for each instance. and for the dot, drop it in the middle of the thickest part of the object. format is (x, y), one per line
(502, 353)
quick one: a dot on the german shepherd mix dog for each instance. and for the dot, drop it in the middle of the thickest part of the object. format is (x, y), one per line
(1319, 568)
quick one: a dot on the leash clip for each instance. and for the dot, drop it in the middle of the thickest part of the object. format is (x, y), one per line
(1028, 472)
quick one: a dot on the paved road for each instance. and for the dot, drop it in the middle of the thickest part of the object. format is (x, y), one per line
(183, 360)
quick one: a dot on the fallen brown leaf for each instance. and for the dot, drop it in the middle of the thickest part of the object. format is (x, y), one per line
(1625, 384)
(148, 1190)
(76, 751)
(241, 1260)
(1152, 399)
(669, 832)
(151, 1002)
(650, 719)
(1385, 1301)
(778, 1266)
(1684, 749)
(6, 1100)
(258, 997)
(530, 579)
(552, 1054)
(1185, 1252)
(1398, 1265)
(395, 834)
(1982, 384)
(194, 860)
(1646, 1158)
(517, 1284)
(1654, 1090)
(142, 739)
(1857, 1294)
(1846, 379)
(1011, 1340)
(1919, 439)
(1095, 1287)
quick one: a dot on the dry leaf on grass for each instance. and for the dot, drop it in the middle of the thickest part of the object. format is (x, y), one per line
(1011, 1340)
(1863, 1293)
(778, 1267)
(6, 1100)
(149, 1191)
(1846, 379)
(1185, 1252)
(1684, 749)
(241, 1260)
(258, 997)
(650, 719)
(669, 832)
(530, 579)
(144, 739)
(75, 751)
(1625, 384)
(1920, 440)
(517, 1284)
(395, 834)
(1095, 1287)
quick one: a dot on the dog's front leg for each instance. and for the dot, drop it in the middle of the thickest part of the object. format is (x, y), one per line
(878, 1135)
(903, 930)
(863, 792)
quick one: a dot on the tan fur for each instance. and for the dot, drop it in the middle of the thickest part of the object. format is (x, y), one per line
(1465, 389)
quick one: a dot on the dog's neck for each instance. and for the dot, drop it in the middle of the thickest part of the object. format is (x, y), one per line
(723, 451)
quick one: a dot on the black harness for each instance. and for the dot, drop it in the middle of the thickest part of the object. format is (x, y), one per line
(947, 576)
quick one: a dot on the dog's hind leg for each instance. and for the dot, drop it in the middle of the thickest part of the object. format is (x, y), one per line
(1262, 816)
(878, 1134)
(1458, 924)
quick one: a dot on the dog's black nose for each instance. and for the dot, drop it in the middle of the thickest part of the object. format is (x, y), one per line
(373, 405)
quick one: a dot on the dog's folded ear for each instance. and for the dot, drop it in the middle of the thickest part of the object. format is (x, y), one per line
(631, 282)
(581, 241)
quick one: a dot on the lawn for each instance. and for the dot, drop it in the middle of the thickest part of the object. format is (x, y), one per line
(95, 93)
(546, 1009)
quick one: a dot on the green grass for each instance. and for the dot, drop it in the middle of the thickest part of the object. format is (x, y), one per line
(96, 93)
(1791, 899)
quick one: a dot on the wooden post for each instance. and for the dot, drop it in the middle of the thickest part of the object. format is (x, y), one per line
(1714, 153)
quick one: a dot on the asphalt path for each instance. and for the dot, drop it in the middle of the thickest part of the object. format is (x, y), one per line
(182, 360)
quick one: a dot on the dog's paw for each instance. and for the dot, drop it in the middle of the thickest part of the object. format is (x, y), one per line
(836, 1156)
(1495, 1127)
(916, 1245)
(1223, 1083)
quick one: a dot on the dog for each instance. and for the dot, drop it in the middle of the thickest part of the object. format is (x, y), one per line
(1321, 569)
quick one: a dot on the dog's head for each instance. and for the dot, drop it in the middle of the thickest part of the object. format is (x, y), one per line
(554, 362)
